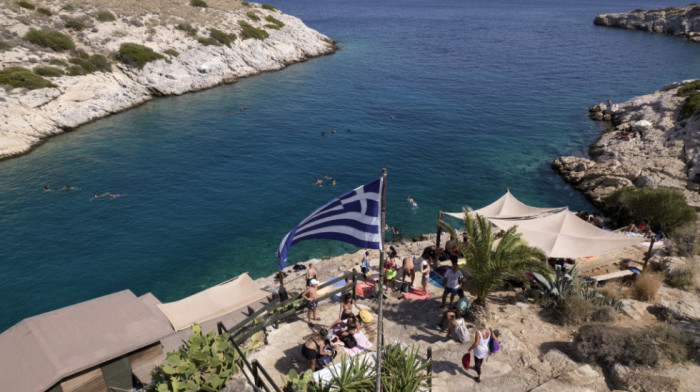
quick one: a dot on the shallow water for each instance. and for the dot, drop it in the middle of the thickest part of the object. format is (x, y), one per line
(483, 97)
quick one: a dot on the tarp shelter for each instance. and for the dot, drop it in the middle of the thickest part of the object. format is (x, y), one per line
(507, 207)
(40, 351)
(565, 235)
(213, 302)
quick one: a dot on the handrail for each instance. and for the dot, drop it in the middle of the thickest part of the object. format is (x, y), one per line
(220, 327)
(258, 366)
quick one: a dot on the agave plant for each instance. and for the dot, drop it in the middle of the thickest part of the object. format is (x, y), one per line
(554, 290)
(303, 382)
(403, 370)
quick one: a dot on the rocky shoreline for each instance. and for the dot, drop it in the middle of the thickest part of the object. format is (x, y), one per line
(191, 61)
(681, 21)
(648, 143)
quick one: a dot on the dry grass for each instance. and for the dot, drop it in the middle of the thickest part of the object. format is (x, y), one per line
(645, 286)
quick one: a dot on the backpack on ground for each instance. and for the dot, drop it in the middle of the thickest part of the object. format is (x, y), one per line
(405, 287)
(462, 333)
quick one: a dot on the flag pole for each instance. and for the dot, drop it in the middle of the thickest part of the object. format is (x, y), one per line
(380, 292)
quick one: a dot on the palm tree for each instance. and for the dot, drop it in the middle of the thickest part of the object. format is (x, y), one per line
(491, 264)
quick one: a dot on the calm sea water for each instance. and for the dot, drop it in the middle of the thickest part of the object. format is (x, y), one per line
(484, 95)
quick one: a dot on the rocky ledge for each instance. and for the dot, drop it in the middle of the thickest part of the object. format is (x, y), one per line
(183, 34)
(682, 21)
(649, 144)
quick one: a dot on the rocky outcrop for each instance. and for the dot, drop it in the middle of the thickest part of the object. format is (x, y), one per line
(683, 21)
(28, 117)
(647, 145)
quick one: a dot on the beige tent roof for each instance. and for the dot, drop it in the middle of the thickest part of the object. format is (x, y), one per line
(565, 235)
(213, 302)
(507, 207)
(39, 351)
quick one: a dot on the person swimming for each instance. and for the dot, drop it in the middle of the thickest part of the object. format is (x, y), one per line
(67, 188)
(411, 201)
(318, 182)
(46, 188)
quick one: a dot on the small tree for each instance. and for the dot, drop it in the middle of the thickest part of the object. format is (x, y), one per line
(490, 263)
(204, 363)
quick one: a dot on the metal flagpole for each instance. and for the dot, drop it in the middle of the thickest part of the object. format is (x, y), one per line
(380, 292)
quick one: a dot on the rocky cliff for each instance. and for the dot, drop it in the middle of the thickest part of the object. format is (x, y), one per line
(201, 47)
(649, 144)
(683, 21)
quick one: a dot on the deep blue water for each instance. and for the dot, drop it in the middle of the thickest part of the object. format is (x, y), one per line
(484, 95)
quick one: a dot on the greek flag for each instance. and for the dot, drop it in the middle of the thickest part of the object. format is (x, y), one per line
(352, 218)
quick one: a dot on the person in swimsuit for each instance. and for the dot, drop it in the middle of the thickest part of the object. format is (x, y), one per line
(46, 188)
(311, 297)
(310, 274)
(346, 307)
(364, 266)
(315, 347)
(409, 269)
(425, 272)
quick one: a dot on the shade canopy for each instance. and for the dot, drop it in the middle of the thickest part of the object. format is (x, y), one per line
(565, 235)
(508, 207)
(213, 302)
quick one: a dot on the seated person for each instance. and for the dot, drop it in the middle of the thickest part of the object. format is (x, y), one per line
(345, 331)
(660, 236)
(316, 352)
(455, 323)
(460, 308)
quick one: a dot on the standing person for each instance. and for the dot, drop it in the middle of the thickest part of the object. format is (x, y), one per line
(365, 265)
(310, 274)
(453, 281)
(408, 268)
(311, 296)
(481, 346)
(425, 272)
(282, 292)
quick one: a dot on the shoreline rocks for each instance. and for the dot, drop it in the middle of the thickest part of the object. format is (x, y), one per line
(648, 144)
(28, 117)
(682, 21)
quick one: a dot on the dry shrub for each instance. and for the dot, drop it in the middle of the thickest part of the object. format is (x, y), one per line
(604, 314)
(645, 286)
(683, 276)
(611, 290)
(684, 240)
(574, 310)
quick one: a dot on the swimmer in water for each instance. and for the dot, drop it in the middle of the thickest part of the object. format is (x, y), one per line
(323, 133)
(318, 182)
(410, 200)
(333, 181)
(332, 130)
(67, 187)
(46, 188)
(96, 196)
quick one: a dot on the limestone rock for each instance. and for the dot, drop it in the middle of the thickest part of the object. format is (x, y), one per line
(681, 378)
(682, 309)
(582, 379)
(682, 21)
(634, 309)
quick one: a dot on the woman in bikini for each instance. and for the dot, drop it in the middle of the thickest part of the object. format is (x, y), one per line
(346, 307)
(315, 347)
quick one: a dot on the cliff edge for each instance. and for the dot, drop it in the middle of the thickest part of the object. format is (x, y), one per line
(682, 21)
(125, 53)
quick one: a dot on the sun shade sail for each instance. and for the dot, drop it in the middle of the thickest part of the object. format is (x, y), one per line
(507, 207)
(213, 302)
(565, 235)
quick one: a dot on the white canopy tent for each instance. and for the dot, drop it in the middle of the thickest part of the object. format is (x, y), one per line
(508, 207)
(565, 235)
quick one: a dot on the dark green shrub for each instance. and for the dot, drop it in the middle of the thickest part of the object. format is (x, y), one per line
(245, 3)
(26, 4)
(43, 70)
(22, 77)
(692, 104)
(44, 11)
(106, 16)
(638, 10)
(248, 31)
(68, 7)
(269, 7)
(274, 23)
(4, 45)
(171, 52)
(76, 70)
(101, 63)
(87, 66)
(221, 37)
(81, 54)
(198, 3)
(58, 62)
(252, 15)
(137, 55)
(667, 9)
(689, 88)
(607, 344)
(75, 24)
(50, 39)
(206, 41)
(663, 207)
(187, 28)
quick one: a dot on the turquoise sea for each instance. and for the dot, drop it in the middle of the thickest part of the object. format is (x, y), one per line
(484, 95)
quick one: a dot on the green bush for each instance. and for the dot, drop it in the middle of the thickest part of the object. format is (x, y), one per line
(252, 15)
(22, 77)
(638, 10)
(85, 64)
(106, 16)
(58, 62)
(43, 70)
(50, 39)
(44, 11)
(203, 363)
(101, 62)
(692, 104)
(248, 31)
(206, 41)
(683, 276)
(137, 55)
(187, 28)
(274, 23)
(245, 3)
(221, 37)
(663, 207)
(269, 7)
(198, 3)
(75, 24)
(171, 52)
(4, 45)
(75, 70)
(667, 9)
(26, 4)
(650, 346)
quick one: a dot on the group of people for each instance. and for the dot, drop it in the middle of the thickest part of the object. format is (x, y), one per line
(408, 270)
(65, 188)
(94, 197)
(595, 219)
(319, 181)
(644, 228)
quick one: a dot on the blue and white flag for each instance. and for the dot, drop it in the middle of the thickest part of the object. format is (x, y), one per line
(352, 218)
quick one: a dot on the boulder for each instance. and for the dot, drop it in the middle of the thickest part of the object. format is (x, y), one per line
(581, 379)
(688, 310)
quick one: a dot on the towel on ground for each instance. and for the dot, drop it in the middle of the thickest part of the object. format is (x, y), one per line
(362, 344)
(365, 288)
(589, 258)
(415, 293)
